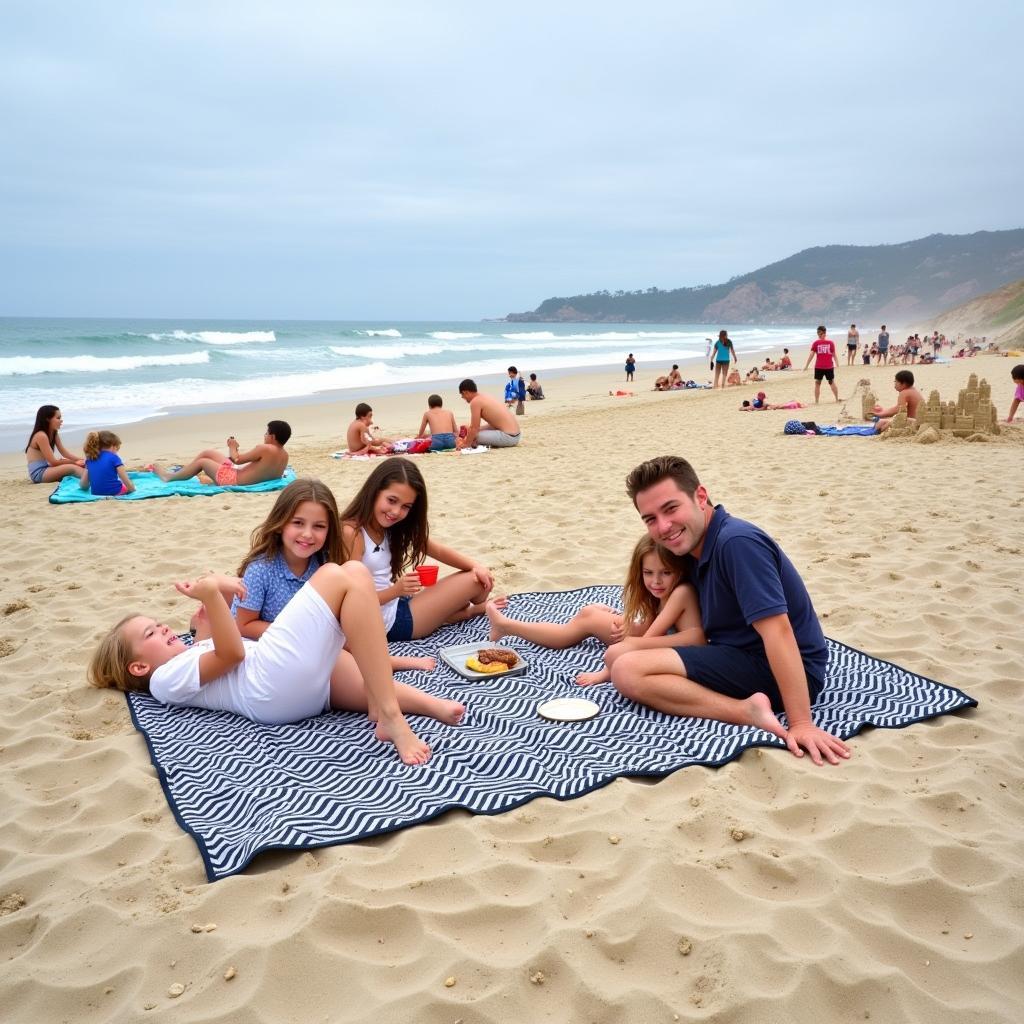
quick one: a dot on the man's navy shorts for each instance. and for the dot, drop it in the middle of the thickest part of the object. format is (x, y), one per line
(737, 673)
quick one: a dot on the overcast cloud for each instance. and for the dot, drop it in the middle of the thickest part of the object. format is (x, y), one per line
(462, 159)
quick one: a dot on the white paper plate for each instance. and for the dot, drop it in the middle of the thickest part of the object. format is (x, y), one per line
(568, 709)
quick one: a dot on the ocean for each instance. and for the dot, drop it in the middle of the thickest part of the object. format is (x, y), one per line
(109, 372)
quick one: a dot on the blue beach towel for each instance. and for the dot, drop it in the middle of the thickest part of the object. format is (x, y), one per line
(801, 430)
(239, 788)
(149, 485)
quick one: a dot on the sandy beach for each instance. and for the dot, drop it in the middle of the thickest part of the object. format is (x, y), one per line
(885, 889)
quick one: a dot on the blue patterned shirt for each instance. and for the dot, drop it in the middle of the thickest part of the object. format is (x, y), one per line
(270, 585)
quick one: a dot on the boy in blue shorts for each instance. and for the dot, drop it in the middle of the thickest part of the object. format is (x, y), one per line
(765, 651)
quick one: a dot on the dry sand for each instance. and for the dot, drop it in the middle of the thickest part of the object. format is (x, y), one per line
(886, 889)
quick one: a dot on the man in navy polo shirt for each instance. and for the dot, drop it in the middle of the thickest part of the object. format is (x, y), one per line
(765, 651)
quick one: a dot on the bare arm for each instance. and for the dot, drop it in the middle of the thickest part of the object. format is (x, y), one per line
(70, 457)
(457, 560)
(250, 624)
(228, 649)
(474, 424)
(42, 443)
(239, 458)
(422, 432)
(787, 666)
(122, 475)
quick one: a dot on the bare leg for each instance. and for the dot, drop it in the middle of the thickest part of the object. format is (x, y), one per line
(349, 592)
(835, 390)
(658, 679)
(54, 473)
(817, 391)
(408, 663)
(593, 620)
(449, 600)
(207, 462)
(348, 693)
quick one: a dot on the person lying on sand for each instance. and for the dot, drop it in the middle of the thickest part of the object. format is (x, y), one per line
(765, 650)
(267, 461)
(761, 402)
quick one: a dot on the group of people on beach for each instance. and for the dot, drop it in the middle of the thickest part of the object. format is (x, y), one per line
(716, 621)
(491, 422)
(101, 471)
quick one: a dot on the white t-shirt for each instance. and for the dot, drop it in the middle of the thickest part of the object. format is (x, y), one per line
(177, 682)
(284, 677)
(377, 558)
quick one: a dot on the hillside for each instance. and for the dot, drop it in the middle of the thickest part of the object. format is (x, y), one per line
(901, 283)
(998, 315)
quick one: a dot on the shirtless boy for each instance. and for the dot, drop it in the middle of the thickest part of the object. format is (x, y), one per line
(360, 438)
(267, 461)
(443, 430)
(502, 428)
(909, 399)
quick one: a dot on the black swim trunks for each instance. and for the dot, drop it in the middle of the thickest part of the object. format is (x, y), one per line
(829, 375)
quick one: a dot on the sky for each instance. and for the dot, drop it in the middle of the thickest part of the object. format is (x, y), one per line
(458, 160)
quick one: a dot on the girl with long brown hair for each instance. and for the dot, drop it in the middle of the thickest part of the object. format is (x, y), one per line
(385, 526)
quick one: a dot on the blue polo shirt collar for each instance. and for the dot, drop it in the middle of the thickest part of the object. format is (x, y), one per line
(718, 520)
(282, 565)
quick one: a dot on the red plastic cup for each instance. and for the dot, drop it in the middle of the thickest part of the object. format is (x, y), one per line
(427, 574)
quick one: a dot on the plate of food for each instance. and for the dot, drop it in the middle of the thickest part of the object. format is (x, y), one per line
(478, 661)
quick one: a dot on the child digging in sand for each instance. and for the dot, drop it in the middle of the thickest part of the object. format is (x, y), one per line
(660, 610)
(286, 676)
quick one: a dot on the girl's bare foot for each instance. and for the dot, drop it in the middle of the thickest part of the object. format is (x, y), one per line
(762, 716)
(449, 712)
(497, 620)
(593, 678)
(411, 749)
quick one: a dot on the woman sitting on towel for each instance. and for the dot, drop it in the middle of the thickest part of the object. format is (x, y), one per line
(44, 467)
(661, 610)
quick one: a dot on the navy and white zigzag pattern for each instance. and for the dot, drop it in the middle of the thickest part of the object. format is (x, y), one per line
(240, 788)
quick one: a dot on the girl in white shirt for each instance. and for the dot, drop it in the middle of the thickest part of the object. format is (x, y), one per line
(385, 527)
(287, 675)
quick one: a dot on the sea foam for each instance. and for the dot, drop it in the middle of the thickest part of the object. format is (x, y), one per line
(26, 366)
(216, 337)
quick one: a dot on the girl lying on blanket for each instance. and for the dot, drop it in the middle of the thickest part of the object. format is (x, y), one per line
(301, 533)
(289, 675)
(385, 525)
(661, 610)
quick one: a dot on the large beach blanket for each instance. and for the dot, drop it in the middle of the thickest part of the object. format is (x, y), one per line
(149, 485)
(239, 788)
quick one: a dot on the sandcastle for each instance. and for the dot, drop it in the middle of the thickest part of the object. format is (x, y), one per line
(971, 414)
